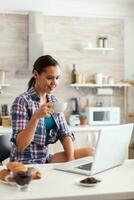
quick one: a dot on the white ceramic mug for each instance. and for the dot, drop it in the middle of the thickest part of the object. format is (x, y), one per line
(59, 106)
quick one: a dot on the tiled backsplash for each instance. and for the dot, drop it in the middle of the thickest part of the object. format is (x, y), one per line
(64, 38)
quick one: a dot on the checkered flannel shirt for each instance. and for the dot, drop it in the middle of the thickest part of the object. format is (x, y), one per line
(22, 110)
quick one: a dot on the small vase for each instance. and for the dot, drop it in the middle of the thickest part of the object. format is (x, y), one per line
(83, 121)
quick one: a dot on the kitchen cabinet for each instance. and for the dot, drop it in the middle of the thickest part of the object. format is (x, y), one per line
(85, 136)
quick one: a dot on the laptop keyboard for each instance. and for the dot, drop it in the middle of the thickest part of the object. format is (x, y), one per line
(85, 167)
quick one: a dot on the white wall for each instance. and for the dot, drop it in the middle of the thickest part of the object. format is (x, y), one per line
(129, 48)
(72, 7)
(101, 8)
(128, 57)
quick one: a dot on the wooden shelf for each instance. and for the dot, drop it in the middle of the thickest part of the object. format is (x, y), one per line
(4, 85)
(131, 114)
(92, 85)
(97, 49)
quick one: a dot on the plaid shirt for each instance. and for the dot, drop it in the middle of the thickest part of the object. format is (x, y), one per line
(22, 110)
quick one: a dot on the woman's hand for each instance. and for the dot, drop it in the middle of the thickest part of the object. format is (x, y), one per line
(44, 110)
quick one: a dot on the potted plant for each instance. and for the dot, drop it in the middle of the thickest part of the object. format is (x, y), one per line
(83, 118)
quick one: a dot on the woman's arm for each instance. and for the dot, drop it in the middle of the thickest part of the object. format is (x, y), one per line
(68, 147)
(66, 137)
(25, 137)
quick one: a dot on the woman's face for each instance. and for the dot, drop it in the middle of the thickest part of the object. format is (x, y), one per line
(48, 79)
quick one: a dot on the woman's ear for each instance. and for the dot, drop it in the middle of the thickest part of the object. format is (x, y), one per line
(35, 73)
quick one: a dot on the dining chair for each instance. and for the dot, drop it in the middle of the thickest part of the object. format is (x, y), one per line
(5, 147)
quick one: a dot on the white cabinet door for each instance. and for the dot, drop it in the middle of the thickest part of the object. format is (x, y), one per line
(82, 139)
(56, 147)
(85, 139)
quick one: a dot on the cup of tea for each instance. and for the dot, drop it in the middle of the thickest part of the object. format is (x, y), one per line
(59, 106)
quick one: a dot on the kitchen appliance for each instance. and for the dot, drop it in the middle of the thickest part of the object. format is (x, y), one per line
(4, 110)
(35, 39)
(74, 119)
(103, 115)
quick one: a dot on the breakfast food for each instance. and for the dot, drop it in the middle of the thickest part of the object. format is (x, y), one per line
(90, 180)
(10, 178)
(16, 166)
(4, 173)
(36, 173)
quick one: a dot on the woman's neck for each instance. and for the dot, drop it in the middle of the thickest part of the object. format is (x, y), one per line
(43, 96)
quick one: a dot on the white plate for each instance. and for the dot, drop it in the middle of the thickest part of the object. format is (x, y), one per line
(7, 182)
(87, 184)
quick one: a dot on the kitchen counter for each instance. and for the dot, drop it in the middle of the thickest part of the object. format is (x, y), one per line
(84, 136)
(85, 128)
(5, 130)
(116, 183)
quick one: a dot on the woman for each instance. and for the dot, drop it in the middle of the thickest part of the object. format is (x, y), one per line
(35, 124)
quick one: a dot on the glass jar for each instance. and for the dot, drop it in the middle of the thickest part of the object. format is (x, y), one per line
(110, 80)
(100, 42)
(78, 77)
(98, 78)
(105, 42)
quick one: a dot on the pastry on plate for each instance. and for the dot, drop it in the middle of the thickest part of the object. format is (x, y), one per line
(10, 179)
(36, 173)
(16, 166)
(4, 173)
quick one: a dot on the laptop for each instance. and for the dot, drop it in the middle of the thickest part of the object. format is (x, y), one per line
(111, 151)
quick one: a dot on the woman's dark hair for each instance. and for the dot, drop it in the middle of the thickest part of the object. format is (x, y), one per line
(40, 64)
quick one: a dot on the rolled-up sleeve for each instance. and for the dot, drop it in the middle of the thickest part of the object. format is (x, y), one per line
(64, 129)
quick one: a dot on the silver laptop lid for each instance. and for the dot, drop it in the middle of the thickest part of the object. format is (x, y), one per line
(112, 147)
